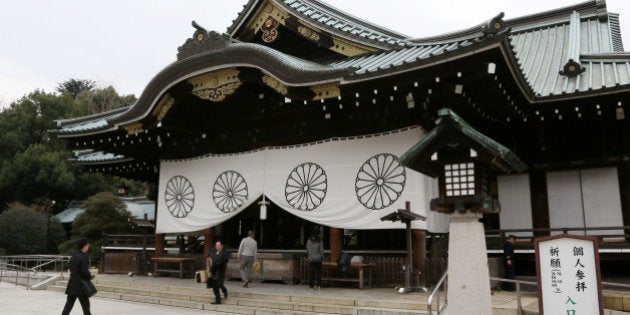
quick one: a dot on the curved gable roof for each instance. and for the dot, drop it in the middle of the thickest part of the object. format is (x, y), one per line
(288, 69)
(329, 19)
(536, 47)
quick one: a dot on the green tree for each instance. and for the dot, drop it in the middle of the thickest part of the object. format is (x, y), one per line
(74, 86)
(37, 173)
(34, 165)
(27, 121)
(25, 231)
(104, 214)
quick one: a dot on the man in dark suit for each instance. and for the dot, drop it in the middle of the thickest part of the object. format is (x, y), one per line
(509, 263)
(79, 272)
(219, 266)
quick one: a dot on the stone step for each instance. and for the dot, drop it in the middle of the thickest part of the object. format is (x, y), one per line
(246, 302)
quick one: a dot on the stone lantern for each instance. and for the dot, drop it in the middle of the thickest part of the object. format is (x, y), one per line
(466, 164)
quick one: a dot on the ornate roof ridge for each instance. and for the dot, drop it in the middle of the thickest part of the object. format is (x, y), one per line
(488, 28)
(370, 34)
(277, 63)
(348, 16)
(202, 41)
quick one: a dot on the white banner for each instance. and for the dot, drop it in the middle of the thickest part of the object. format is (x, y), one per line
(346, 183)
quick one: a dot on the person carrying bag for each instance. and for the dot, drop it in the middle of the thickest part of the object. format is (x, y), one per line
(80, 284)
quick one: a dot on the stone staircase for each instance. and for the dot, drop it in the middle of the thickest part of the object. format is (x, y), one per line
(253, 303)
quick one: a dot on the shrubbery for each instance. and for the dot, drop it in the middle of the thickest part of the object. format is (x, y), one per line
(104, 214)
(25, 231)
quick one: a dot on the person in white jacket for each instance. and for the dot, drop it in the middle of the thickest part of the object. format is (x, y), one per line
(246, 255)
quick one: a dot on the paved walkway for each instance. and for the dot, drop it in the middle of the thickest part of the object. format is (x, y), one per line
(19, 301)
(16, 300)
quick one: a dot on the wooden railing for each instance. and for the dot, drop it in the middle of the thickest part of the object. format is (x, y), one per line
(387, 270)
(130, 241)
(134, 262)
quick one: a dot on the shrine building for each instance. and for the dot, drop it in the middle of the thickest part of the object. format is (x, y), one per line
(294, 118)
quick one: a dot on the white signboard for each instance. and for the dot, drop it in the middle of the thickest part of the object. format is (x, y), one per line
(569, 281)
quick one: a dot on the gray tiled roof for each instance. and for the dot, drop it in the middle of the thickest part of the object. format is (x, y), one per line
(331, 19)
(89, 156)
(400, 57)
(87, 123)
(137, 207)
(542, 51)
(542, 45)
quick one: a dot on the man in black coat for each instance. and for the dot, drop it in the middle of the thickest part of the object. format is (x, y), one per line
(79, 272)
(509, 263)
(219, 266)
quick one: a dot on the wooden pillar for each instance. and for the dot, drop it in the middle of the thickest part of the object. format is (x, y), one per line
(420, 255)
(623, 173)
(159, 245)
(208, 243)
(540, 201)
(336, 244)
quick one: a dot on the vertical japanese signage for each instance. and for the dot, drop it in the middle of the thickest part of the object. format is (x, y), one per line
(569, 281)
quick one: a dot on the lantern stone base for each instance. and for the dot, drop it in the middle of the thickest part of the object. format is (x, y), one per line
(468, 277)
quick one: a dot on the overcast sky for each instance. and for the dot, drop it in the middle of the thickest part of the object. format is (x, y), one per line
(126, 43)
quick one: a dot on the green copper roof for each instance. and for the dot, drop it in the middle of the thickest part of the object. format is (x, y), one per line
(452, 127)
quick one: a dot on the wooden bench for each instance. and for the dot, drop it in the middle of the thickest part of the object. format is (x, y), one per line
(329, 268)
(165, 265)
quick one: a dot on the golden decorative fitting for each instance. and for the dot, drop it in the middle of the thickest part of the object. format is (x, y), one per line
(134, 128)
(308, 33)
(215, 86)
(267, 10)
(163, 106)
(324, 91)
(270, 30)
(275, 84)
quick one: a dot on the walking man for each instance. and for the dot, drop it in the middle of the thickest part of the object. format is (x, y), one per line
(219, 265)
(246, 255)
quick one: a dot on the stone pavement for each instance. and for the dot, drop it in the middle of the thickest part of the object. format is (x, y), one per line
(16, 300)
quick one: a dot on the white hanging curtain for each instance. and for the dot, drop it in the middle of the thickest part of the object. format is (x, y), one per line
(346, 183)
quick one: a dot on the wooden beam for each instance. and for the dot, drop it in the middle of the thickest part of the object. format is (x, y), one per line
(208, 242)
(420, 255)
(540, 201)
(336, 244)
(623, 172)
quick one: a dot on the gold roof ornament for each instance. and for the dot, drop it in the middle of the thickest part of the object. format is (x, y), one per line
(134, 128)
(215, 86)
(275, 84)
(262, 16)
(163, 106)
(324, 91)
(270, 30)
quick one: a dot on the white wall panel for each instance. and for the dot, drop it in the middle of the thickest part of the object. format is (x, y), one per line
(565, 200)
(516, 204)
(602, 202)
